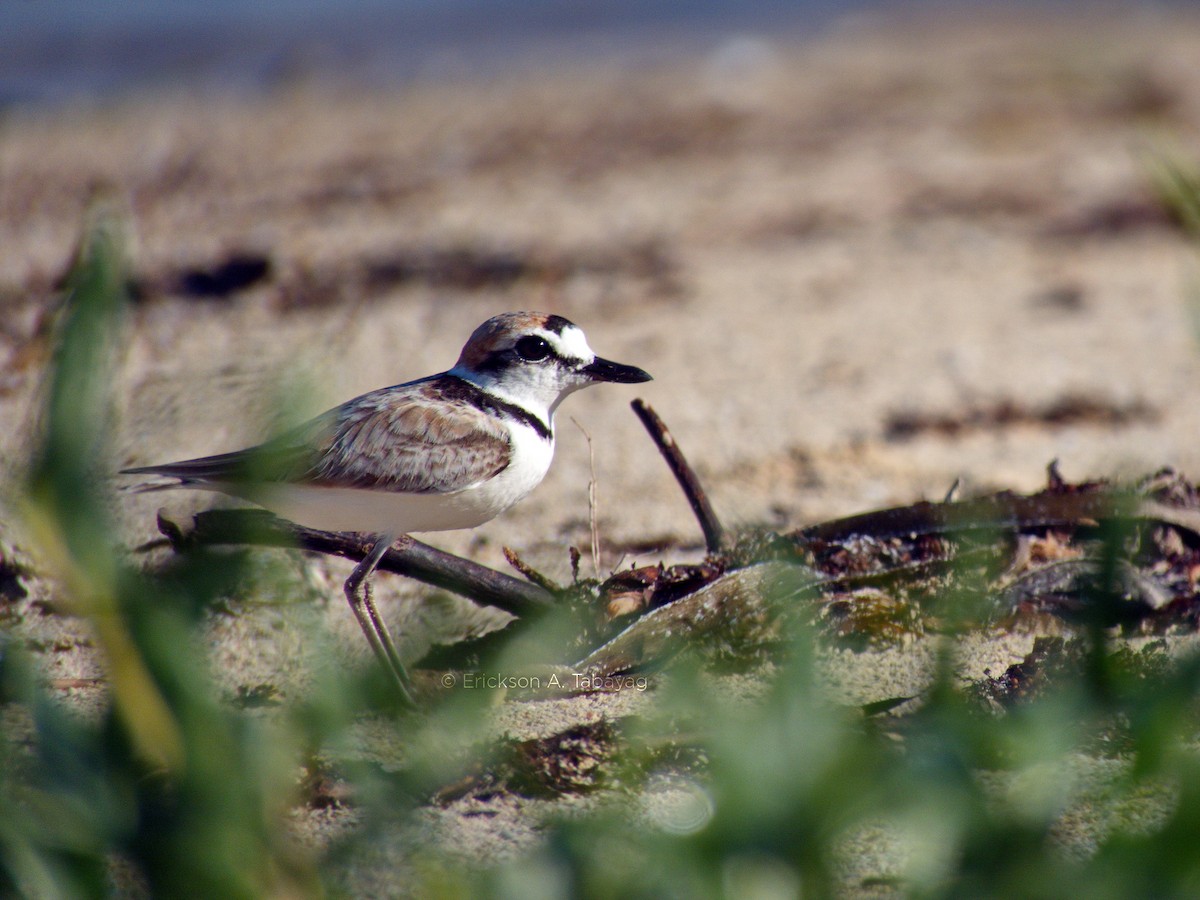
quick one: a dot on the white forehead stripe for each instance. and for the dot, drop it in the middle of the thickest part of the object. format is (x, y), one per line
(574, 345)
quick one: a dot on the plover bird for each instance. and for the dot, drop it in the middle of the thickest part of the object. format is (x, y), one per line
(440, 453)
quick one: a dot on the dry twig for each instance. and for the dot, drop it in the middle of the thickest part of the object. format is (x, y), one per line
(714, 534)
(593, 500)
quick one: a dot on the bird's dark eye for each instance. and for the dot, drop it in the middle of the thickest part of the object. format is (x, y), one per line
(531, 348)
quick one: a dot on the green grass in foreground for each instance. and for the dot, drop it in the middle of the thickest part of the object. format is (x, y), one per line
(194, 795)
(1176, 183)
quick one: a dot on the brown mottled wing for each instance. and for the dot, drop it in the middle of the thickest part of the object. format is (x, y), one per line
(392, 439)
(396, 440)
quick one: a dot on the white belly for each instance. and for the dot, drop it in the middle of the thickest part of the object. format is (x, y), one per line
(389, 512)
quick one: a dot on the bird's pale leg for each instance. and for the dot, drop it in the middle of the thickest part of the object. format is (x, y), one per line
(358, 592)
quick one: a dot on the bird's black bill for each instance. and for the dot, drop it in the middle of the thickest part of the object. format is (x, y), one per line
(607, 370)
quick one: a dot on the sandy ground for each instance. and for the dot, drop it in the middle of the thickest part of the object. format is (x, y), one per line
(800, 242)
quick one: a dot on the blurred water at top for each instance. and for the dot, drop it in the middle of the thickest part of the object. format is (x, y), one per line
(57, 50)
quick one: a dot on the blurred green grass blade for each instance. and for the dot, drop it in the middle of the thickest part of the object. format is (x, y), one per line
(64, 510)
(76, 424)
(192, 795)
(76, 419)
(1177, 185)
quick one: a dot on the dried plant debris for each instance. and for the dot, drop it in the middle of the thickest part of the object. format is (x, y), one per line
(256, 696)
(1029, 678)
(1113, 218)
(640, 589)
(870, 617)
(1055, 663)
(1065, 588)
(471, 269)
(299, 285)
(1130, 553)
(15, 569)
(1054, 660)
(1088, 554)
(1076, 553)
(570, 762)
(1065, 297)
(573, 761)
(1070, 410)
(578, 760)
(885, 577)
(237, 272)
(323, 787)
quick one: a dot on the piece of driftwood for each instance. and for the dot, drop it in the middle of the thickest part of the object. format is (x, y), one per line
(735, 612)
(925, 531)
(1094, 504)
(408, 557)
